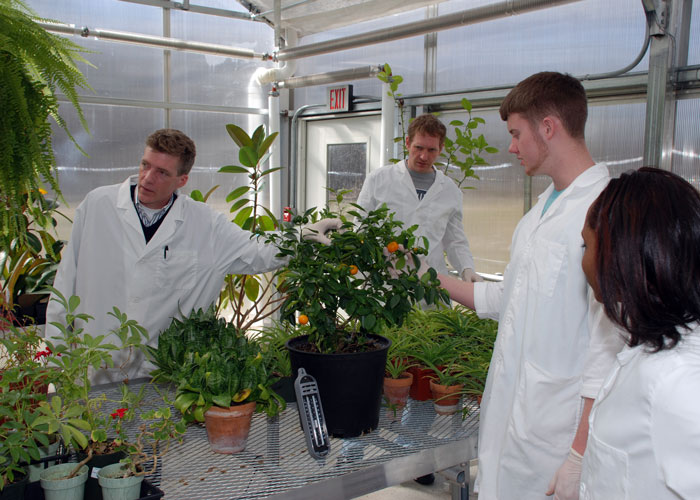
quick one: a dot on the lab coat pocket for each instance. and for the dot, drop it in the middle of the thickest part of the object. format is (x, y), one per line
(546, 408)
(177, 270)
(547, 260)
(604, 473)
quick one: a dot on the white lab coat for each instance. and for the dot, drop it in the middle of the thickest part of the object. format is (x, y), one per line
(548, 353)
(644, 437)
(107, 263)
(438, 215)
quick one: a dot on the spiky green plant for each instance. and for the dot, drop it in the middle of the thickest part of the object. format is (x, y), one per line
(34, 66)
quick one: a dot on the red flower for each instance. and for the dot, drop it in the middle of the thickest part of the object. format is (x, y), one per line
(119, 413)
(42, 354)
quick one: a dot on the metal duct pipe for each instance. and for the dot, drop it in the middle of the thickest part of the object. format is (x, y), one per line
(463, 18)
(342, 75)
(153, 41)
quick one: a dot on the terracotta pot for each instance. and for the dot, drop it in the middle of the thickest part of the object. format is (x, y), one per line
(420, 389)
(228, 428)
(396, 390)
(444, 404)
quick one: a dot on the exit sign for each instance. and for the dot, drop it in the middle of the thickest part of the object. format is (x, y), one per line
(340, 98)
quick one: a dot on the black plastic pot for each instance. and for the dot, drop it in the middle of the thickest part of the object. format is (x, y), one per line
(350, 385)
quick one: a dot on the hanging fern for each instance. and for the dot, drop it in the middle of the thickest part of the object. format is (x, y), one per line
(34, 66)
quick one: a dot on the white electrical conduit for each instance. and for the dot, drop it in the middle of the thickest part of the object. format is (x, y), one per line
(153, 41)
(447, 21)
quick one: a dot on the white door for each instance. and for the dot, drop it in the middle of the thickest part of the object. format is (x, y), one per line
(338, 153)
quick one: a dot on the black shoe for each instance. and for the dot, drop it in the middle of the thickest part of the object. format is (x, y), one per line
(426, 480)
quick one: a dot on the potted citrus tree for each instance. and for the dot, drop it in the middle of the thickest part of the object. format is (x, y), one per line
(221, 377)
(345, 292)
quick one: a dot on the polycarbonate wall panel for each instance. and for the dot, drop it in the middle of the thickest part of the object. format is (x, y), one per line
(404, 56)
(215, 148)
(217, 80)
(614, 134)
(585, 37)
(686, 150)
(694, 48)
(120, 70)
(115, 146)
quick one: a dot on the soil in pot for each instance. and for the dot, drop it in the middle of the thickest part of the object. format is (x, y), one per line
(115, 486)
(447, 397)
(396, 392)
(349, 384)
(56, 486)
(228, 428)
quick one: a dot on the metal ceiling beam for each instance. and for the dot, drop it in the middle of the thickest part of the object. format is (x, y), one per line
(199, 9)
(448, 21)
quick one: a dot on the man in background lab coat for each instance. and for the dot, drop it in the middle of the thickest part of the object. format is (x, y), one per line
(420, 194)
(152, 252)
(554, 344)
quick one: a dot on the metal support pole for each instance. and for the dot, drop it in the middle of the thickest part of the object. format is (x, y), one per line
(458, 479)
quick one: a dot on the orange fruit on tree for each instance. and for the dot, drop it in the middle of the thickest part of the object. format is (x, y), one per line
(392, 247)
(353, 269)
(303, 319)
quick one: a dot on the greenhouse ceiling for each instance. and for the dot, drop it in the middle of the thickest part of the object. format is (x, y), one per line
(314, 16)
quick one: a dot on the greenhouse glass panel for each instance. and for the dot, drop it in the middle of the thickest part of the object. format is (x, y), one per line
(215, 148)
(217, 80)
(114, 147)
(686, 150)
(694, 48)
(495, 203)
(404, 56)
(118, 69)
(580, 38)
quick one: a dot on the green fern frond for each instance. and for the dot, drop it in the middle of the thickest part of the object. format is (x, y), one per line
(34, 66)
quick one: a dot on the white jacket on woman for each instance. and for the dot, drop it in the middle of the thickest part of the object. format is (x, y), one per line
(644, 437)
(107, 263)
(550, 349)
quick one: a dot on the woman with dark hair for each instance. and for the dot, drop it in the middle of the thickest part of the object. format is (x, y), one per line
(642, 259)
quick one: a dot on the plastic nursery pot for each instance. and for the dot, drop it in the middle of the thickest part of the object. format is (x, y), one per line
(447, 397)
(228, 428)
(115, 486)
(396, 391)
(349, 384)
(57, 487)
(15, 491)
(92, 487)
(44, 451)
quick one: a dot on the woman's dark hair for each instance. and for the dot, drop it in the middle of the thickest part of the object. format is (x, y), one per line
(647, 225)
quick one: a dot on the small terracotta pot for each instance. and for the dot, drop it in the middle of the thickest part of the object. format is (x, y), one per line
(446, 397)
(228, 428)
(396, 390)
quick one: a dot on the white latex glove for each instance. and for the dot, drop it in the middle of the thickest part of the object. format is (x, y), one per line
(470, 276)
(317, 231)
(567, 480)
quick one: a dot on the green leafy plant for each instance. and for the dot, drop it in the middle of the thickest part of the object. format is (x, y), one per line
(24, 271)
(466, 149)
(250, 297)
(212, 362)
(23, 384)
(350, 288)
(394, 81)
(273, 339)
(34, 66)
(74, 411)
(156, 432)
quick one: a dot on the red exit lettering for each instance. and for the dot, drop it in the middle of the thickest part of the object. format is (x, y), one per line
(337, 98)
